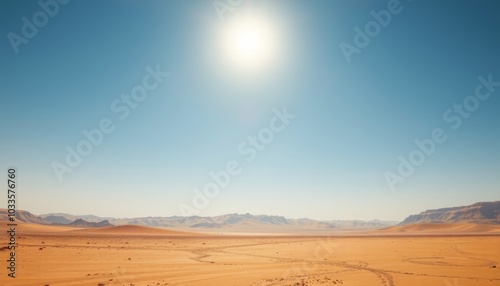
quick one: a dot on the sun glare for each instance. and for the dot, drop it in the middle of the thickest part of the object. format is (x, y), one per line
(249, 42)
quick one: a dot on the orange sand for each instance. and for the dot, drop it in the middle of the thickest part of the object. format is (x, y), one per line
(132, 255)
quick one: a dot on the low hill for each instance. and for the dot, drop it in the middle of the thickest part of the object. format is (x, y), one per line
(57, 219)
(68, 218)
(83, 223)
(479, 213)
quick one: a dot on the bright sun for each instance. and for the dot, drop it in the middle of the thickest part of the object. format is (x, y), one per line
(249, 42)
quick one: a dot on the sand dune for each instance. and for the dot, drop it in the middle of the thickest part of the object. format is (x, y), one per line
(33, 229)
(91, 257)
(36, 228)
(410, 229)
(444, 228)
(133, 230)
(409, 255)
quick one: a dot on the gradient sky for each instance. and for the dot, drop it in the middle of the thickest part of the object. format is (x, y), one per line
(352, 120)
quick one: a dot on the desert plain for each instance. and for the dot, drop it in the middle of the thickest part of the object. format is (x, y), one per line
(454, 255)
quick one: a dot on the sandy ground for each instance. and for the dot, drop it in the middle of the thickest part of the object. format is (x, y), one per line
(142, 256)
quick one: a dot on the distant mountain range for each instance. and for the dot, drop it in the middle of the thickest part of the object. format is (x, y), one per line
(482, 213)
(64, 218)
(228, 222)
(478, 213)
(27, 217)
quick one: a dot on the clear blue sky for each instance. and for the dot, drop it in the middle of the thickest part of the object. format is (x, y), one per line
(352, 120)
